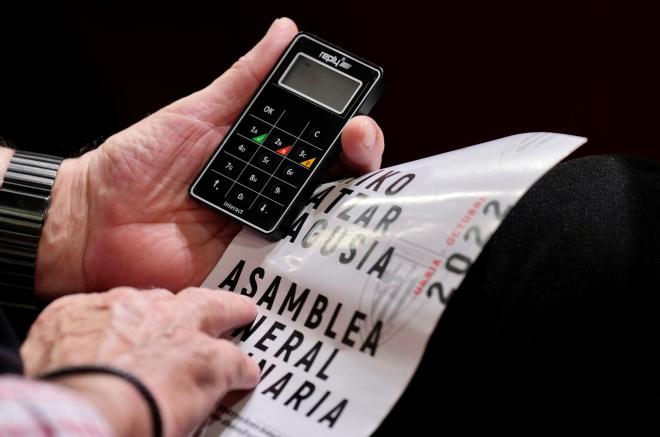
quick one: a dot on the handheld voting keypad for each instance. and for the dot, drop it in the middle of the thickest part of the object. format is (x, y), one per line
(273, 158)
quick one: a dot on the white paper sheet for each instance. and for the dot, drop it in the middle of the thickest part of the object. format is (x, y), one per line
(348, 301)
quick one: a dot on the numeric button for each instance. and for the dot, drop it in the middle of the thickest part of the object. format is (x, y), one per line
(253, 178)
(240, 147)
(254, 129)
(280, 142)
(304, 154)
(292, 173)
(279, 191)
(266, 160)
(239, 199)
(228, 165)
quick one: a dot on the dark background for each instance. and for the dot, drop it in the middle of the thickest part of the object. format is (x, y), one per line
(457, 73)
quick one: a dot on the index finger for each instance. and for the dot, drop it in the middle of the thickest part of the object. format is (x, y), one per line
(217, 311)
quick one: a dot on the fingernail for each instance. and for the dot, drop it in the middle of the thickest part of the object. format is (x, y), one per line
(255, 373)
(369, 136)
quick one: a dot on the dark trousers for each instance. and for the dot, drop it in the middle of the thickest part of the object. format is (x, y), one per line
(558, 321)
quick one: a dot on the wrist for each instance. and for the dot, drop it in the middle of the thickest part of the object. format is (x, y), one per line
(59, 264)
(118, 401)
(5, 156)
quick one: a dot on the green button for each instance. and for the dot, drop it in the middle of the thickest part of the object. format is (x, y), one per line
(259, 139)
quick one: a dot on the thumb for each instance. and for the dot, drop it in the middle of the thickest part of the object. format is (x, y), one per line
(221, 102)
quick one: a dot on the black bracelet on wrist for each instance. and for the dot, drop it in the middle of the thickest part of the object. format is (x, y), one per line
(24, 199)
(156, 420)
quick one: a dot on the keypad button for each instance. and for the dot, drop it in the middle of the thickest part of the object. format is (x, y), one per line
(239, 199)
(228, 165)
(279, 191)
(266, 160)
(279, 141)
(254, 129)
(212, 187)
(270, 105)
(267, 109)
(266, 212)
(292, 173)
(240, 148)
(304, 154)
(317, 135)
(253, 178)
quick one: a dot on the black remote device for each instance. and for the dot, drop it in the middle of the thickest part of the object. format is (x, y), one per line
(273, 158)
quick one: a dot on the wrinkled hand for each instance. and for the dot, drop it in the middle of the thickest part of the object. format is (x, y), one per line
(120, 215)
(168, 341)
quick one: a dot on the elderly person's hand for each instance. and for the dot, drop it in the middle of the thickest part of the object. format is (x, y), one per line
(121, 215)
(170, 342)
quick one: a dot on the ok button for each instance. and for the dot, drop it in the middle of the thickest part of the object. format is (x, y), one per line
(268, 111)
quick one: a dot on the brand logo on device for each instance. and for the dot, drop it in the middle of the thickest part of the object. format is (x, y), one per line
(332, 59)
